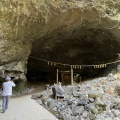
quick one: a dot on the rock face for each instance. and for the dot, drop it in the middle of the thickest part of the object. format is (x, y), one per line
(67, 31)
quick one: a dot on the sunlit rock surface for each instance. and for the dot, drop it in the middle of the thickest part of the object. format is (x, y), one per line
(90, 100)
(66, 31)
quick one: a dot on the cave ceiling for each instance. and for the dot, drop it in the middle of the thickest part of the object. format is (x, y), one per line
(81, 46)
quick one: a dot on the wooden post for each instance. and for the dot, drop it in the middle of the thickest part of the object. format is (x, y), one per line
(57, 76)
(62, 74)
(71, 76)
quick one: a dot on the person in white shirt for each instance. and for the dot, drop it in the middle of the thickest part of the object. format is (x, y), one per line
(7, 92)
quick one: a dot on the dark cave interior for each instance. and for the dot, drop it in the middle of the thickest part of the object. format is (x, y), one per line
(77, 47)
(36, 75)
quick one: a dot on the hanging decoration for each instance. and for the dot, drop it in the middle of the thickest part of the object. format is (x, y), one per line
(76, 66)
(48, 62)
(54, 64)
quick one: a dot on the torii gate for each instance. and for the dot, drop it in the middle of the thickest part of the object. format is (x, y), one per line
(71, 76)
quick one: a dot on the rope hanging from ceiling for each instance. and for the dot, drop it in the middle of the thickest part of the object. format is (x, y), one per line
(76, 66)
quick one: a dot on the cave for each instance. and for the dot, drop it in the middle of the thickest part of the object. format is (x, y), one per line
(49, 35)
(83, 46)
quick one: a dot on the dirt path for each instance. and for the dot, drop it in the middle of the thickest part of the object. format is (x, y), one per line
(24, 108)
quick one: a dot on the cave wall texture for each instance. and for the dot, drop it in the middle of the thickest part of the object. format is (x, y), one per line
(67, 31)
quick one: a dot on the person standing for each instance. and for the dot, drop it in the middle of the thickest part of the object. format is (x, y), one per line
(7, 92)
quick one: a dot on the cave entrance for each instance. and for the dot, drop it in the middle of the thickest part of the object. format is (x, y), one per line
(50, 74)
(37, 74)
(81, 46)
(40, 73)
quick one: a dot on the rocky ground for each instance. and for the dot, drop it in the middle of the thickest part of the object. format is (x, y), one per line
(97, 99)
(31, 88)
